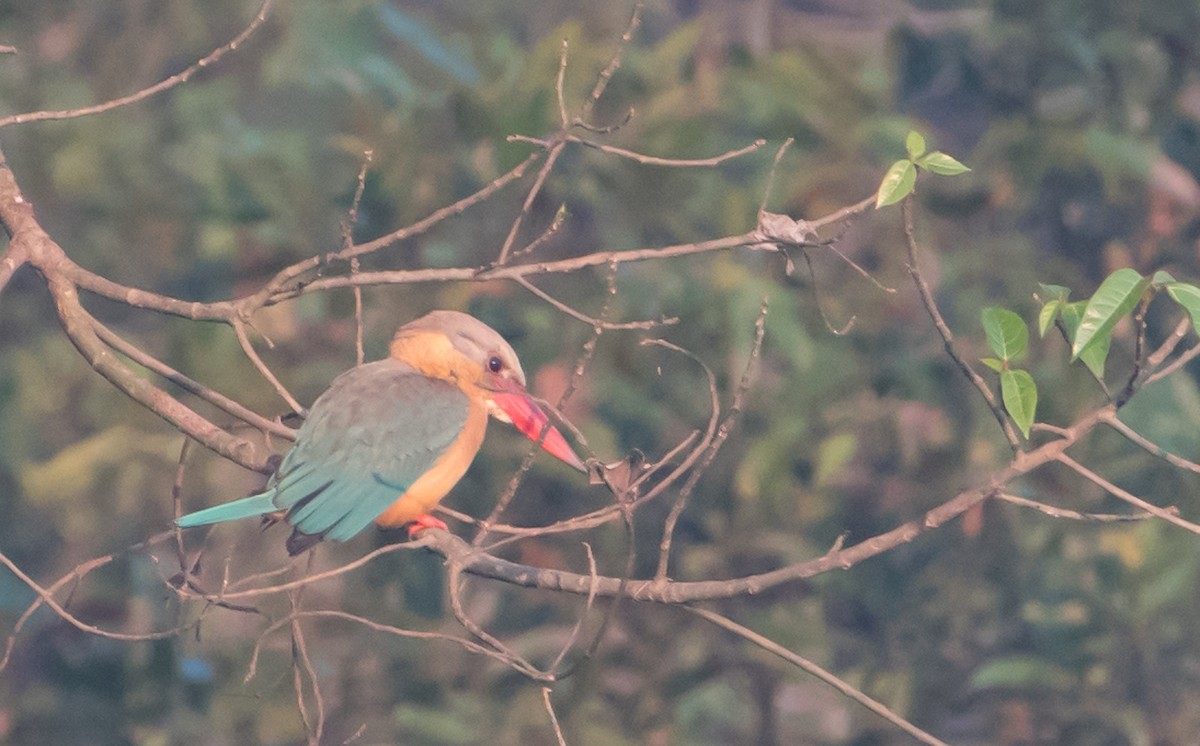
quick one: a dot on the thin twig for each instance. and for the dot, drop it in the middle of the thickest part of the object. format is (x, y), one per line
(1166, 348)
(831, 246)
(735, 410)
(302, 667)
(1170, 515)
(914, 271)
(653, 160)
(338, 614)
(560, 217)
(1074, 515)
(177, 505)
(455, 582)
(1139, 346)
(770, 185)
(285, 276)
(1156, 358)
(580, 316)
(179, 78)
(560, 97)
(348, 242)
(1150, 446)
(249, 593)
(239, 330)
(227, 405)
(527, 207)
(813, 669)
(46, 596)
(618, 596)
(587, 609)
(816, 288)
(553, 718)
(614, 64)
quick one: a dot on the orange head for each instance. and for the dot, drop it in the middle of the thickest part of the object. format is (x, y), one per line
(455, 347)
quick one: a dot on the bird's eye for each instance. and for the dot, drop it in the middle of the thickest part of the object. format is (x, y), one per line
(495, 364)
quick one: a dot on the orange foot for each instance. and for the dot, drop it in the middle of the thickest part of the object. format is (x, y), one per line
(424, 522)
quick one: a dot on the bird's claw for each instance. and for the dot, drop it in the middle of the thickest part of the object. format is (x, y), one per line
(424, 522)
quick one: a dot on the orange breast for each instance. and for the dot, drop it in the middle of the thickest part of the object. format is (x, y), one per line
(433, 485)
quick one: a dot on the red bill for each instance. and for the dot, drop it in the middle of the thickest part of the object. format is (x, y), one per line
(529, 418)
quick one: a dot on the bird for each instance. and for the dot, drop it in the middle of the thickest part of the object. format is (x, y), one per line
(390, 438)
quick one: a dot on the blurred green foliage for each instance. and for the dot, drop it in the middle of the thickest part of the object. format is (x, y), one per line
(1080, 121)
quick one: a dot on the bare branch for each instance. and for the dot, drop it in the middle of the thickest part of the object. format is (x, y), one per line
(735, 410)
(770, 185)
(1149, 446)
(559, 218)
(553, 718)
(614, 64)
(347, 242)
(652, 160)
(466, 644)
(153, 364)
(527, 207)
(943, 329)
(415, 229)
(455, 582)
(809, 667)
(1166, 348)
(302, 668)
(1170, 515)
(1054, 512)
(46, 596)
(163, 85)
(239, 329)
(580, 316)
(13, 258)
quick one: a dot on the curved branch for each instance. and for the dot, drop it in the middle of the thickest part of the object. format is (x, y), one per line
(47, 257)
(809, 667)
(188, 384)
(914, 271)
(145, 93)
(477, 562)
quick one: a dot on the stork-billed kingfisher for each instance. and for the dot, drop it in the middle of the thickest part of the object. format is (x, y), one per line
(387, 440)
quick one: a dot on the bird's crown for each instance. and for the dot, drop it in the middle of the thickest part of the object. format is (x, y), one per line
(452, 345)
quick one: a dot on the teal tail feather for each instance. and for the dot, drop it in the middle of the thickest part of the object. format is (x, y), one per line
(244, 508)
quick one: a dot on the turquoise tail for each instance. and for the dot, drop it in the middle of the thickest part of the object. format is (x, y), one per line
(244, 508)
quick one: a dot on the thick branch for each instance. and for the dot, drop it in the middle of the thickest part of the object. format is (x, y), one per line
(41, 252)
(476, 562)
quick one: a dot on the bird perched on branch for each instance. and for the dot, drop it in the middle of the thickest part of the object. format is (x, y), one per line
(387, 440)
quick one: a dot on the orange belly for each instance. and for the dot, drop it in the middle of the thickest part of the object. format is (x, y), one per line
(433, 485)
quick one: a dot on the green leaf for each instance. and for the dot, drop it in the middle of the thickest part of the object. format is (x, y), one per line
(1053, 299)
(1007, 334)
(914, 144)
(832, 455)
(1019, 393)
(1115, 298)
(1022, 672)
(1162, 277)
(897, 183)
(941, 164)
(1048, 315)
(1047, 293)
(1187, 296)
(994, 364)
(1095, 355)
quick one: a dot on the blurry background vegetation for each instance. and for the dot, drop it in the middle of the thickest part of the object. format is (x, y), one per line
(1081, 120)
